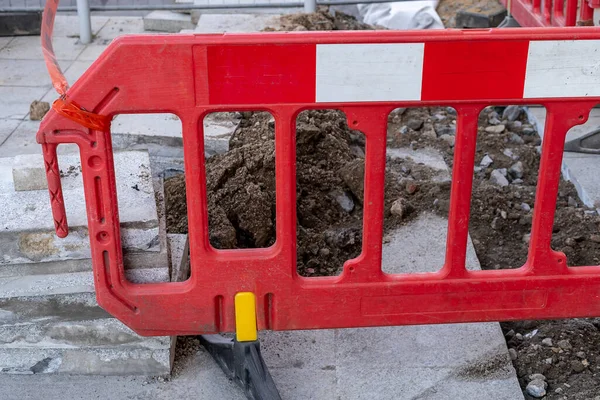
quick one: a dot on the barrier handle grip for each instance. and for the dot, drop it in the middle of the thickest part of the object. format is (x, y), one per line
(55, 189)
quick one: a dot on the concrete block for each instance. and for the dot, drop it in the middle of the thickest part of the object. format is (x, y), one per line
(27, 231)
(167, 21)
(119, 360)
(476, 17)
(219, 23)
(76, 334)
(179, 255)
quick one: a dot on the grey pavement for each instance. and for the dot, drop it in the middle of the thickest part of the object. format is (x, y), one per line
(435, 362)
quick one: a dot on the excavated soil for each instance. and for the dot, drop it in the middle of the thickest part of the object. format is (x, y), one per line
(329, 193)
(330, 166)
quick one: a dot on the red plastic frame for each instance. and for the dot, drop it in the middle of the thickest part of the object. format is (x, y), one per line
(558, 13)
(159, 74)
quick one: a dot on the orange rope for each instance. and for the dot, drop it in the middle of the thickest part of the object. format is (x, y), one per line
(64, 106)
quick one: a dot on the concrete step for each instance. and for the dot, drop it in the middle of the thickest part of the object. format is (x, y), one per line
(27, 229)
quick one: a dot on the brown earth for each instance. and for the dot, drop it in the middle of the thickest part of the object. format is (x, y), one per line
(329, 209)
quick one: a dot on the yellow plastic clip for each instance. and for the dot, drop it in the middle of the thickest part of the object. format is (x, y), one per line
(245, 317)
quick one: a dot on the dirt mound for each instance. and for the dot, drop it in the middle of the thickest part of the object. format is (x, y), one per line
(322, 20)
(329, 193)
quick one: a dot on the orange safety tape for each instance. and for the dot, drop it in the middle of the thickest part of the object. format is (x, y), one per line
(64, 106)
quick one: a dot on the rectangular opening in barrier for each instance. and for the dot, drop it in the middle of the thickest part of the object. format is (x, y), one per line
(240, 179)
(417, 189)
(330, 165)
(139, 142)
(576, 228)
(505, 179)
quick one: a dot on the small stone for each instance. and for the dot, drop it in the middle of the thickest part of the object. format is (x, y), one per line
(415, 123)
(516, 170)
(536, 388)
(518, 336)
(558, 390)
(495, 128)
(495, 223)
(525, 207)
(539, 377)
(570, 242)
(497, 178)
(310, 270)
(345, 201)
(548, 361)
(439, 116)
(595, 238)
(510, 334)
(513, 354)
(526, 238)
(486, 161)
(517, 181)
(577, 366)
(411, 187)
(451, 110)
(516, 139)
(400, 208)
(494, 121)
(515, 126)
(324, 252)
(547, 342)
(442, 129)
(511, 113)
(564, 344)
(450, 139)
(503, 171)
(527, 130)
(503, 214)
(580, 354)
(429, 133)
(404, 130)
(271, 122)
(38, 109)
(571, 202)
(509, 153)
(436, 202)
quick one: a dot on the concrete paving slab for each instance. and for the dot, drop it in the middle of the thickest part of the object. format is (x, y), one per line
(68, 25)
(22, 141)
(4, 41)
(92, 52)
(30, 73)
(15, 100)
(218, 23)
(577, 167)
(117, 26)
(161, 134)
(7, 126)
(30, 48)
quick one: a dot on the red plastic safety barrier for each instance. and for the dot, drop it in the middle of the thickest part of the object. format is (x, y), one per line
(548, 13)
(366, 75)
